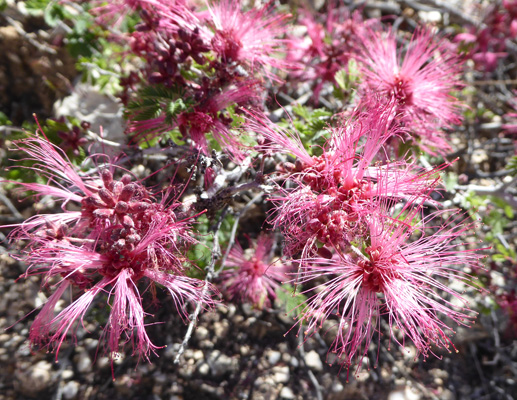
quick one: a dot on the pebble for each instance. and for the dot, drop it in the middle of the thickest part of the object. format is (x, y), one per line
(201, 333)
(286, 393)
(274, 357)
(313, 361)
(220, 363)
(83, 362)
(67, 374)
(38, 375)
(221, 328)
(204, 369)
(405, 393)
(281, 374)
(70, 390)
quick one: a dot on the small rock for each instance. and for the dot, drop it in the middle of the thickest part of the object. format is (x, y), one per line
(337, 387)
(281, 374)
(294, 362)
(221, 328)
(35, 379)
(430, 16)
(273, 357)
(70, 390)
(67, 374)
(313, 361)
(204, 369)
(201, 333)
(220, 363)
(83, 362)
(244, 350)
(286, 393)
(197, 355)
(405, 393)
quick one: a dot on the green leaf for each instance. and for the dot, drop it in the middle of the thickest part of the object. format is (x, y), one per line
(4, 119)
(512, 166)
(291, 298)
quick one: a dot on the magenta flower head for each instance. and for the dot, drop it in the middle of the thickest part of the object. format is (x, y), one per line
(251, 38)
(389, 276)
(335, 193)
(331, 41)
(120, 240)
(419, 79)
(253, 278)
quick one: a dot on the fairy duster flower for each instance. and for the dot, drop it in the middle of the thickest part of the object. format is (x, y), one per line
(256, 278)
(386, 275)
(119, 239)
(250, 38)
(336, 192)
(419, 79)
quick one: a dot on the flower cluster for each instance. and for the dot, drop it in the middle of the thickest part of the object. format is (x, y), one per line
(363, 223)
(327, 47)
(418, 80)
(253, 279)
(112, 237)
(211, 62)
(486, 43)
(360, 216)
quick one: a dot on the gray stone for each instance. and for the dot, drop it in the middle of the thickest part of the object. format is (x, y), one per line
(70, 390)
(313, 361)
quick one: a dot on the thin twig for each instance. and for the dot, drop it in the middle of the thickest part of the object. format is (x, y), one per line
(312, 377)
(234, 229)
(499, 191)
(10, 205)
(210, 274)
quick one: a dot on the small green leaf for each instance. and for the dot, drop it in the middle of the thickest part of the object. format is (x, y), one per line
(292, 299)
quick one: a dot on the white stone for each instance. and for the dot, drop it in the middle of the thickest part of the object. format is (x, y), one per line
(273, 357)
(313, 361)
(87, 104)
(70, 390)
(201, 333)
(83, 363)
(430, 16)
(204, 369)
(220, 363)
(281, 374)
(286, 393)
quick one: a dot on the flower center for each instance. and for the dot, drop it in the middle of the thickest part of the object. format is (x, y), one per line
(402, 91)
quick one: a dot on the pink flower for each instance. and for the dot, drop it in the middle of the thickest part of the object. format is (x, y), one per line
(253, 279)
(198, 121)
(327, 46)
(387, 275)
(418, 79)
(334, 194)
(121, 241)
(249, 38)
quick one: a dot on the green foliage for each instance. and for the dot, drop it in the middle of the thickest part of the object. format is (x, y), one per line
(504, 253)
(291, 299)
(450, 179)
(153, 101)
(311, 126)
(52, 11)
(512, 166)
(4, 119)
(347, 80)
(200, 254)
(497, 216)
